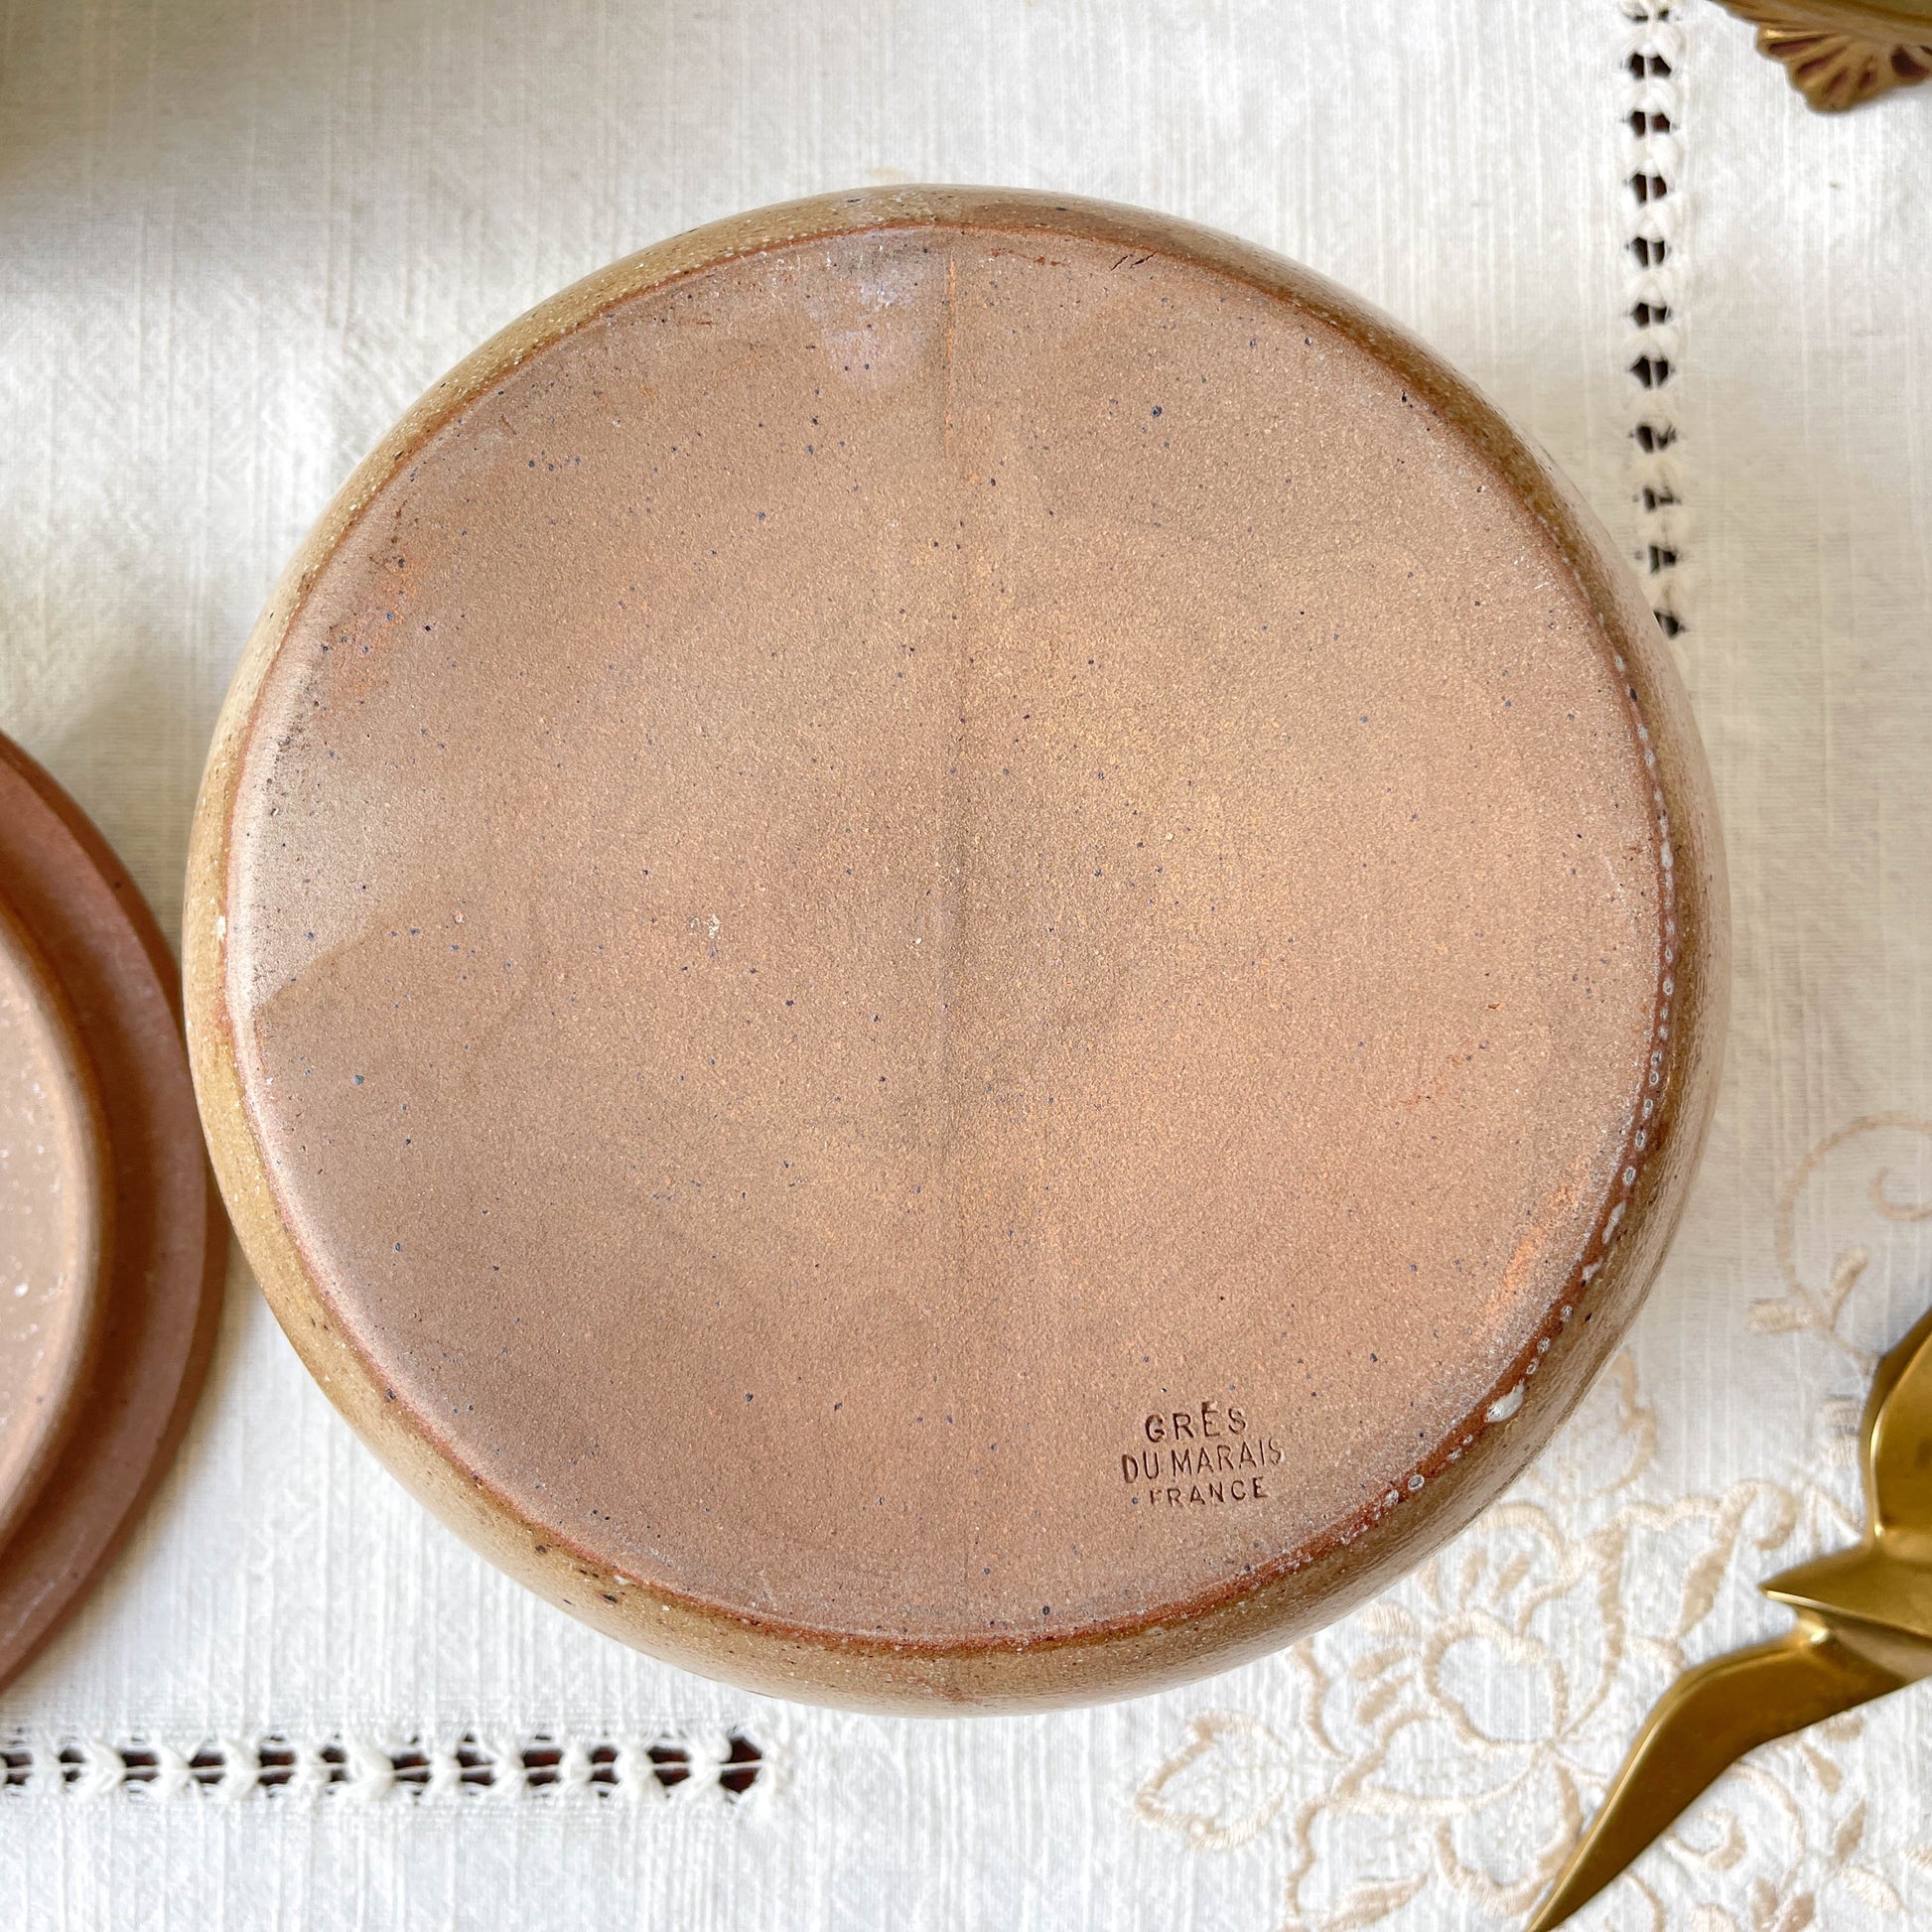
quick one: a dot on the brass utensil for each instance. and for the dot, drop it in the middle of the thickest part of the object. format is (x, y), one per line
(1864, 1628)
(1842, 53)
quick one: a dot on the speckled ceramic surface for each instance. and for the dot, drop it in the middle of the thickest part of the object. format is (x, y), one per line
(55, 1230)
(951, 945)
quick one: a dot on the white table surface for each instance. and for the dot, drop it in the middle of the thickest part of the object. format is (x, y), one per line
(238, 237)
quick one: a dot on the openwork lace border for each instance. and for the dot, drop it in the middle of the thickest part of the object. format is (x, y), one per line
(719, 1768)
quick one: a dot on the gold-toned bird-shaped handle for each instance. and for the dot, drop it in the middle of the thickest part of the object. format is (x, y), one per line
(1864, 1627)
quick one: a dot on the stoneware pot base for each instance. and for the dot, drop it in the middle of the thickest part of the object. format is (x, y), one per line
(955, 948)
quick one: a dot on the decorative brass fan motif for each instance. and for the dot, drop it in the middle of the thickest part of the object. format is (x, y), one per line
(1839, 56)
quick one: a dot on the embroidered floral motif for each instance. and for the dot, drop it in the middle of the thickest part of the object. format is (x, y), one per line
(1821, 1311)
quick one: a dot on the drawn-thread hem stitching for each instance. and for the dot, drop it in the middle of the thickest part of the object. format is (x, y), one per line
(684, 1766)
(1654, 119)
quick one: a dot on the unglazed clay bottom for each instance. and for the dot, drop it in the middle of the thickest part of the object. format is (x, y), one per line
(946, 944)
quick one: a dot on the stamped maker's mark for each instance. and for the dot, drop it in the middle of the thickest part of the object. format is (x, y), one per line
(1204, 1457)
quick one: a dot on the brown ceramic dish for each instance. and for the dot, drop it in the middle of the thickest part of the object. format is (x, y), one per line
(951, 948)
(160, 1292)
(54, 1227)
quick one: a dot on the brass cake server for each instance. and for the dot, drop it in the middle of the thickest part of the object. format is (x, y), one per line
(1864, 1628)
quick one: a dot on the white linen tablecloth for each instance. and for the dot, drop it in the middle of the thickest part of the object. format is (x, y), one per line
(238, 237)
